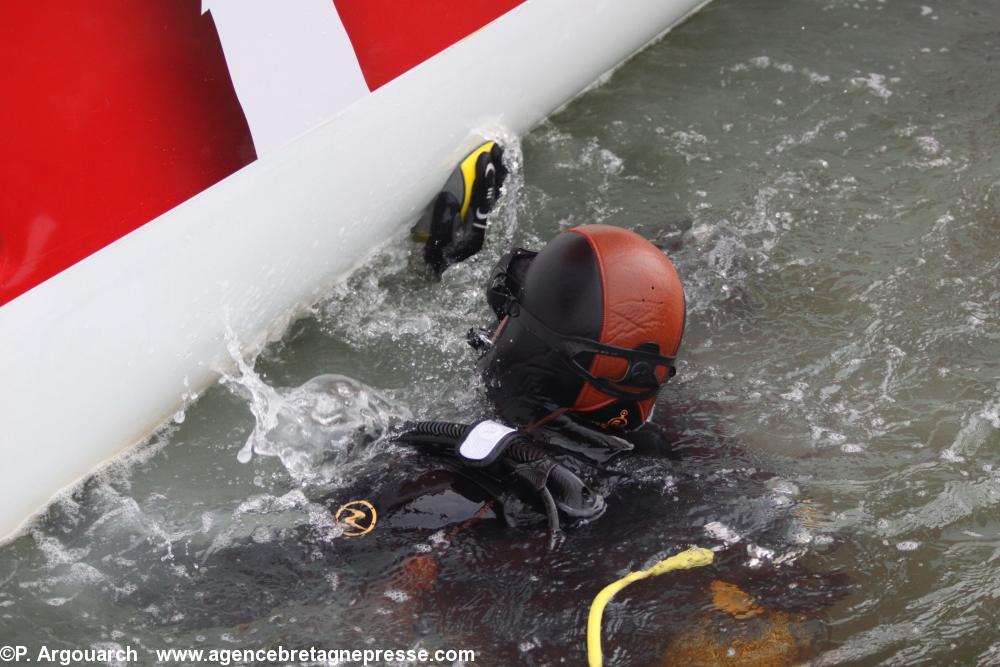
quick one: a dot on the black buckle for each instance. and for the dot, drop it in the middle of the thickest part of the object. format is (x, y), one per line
(505, 281)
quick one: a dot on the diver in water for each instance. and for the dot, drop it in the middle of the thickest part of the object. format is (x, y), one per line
(586, 333)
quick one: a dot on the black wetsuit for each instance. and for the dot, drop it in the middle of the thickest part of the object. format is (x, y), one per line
(443, 539)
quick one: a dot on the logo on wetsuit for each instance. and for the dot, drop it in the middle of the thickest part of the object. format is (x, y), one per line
(621, 421)
(357, 517)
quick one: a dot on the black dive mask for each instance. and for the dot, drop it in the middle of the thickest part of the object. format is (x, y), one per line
(578, 353)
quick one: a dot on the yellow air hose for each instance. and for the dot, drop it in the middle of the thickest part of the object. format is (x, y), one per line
(686, 560)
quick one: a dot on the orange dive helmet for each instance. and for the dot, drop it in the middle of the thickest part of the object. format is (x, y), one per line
(591, 324)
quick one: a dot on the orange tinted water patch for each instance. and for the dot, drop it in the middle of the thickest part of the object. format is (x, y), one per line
(734, 600)
(739, 631)
(417, 573)
(772, 640)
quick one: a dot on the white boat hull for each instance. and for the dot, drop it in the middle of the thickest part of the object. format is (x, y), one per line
(100, 355)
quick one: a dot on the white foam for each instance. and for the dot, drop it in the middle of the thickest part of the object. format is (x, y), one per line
(929, 145)
(874, 83)
(975, 433)
(397, 595)
(815, 77)
(796, 393)
(319, 430)
(759, 555)
(722, 532)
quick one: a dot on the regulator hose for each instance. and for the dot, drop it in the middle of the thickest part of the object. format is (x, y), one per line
(552, 514)
(523, 458)
(522, 451)
(436, 429)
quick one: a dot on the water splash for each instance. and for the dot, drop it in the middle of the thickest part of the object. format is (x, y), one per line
(319, 430)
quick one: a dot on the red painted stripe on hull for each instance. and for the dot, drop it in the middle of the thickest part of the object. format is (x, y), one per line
(391, 37)
(115, 113)
(122, 110)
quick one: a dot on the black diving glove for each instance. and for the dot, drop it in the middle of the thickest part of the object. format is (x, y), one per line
(460, 213)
